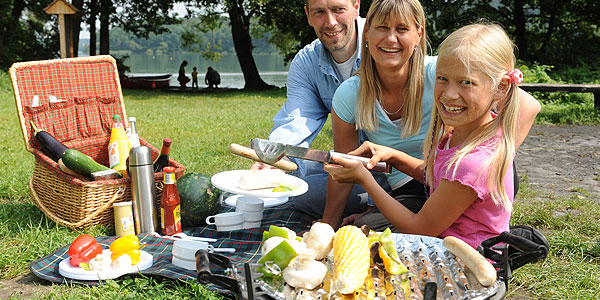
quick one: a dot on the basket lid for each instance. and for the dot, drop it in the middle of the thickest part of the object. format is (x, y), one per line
(71, 99)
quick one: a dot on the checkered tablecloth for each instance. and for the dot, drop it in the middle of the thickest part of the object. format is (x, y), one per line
(246, 242)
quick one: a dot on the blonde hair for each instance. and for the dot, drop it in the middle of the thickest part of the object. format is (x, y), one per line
(483, 48)
(408, 11)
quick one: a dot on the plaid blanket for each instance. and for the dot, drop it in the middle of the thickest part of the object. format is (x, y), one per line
(246, 242)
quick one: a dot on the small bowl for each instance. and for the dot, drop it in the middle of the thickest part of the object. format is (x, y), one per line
(184, 263)
(186, 249)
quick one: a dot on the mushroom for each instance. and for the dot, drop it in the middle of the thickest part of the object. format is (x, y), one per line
(304, 271)
(319, 239)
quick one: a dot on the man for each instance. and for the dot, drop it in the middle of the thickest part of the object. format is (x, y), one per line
(212, 78)
(315, 73)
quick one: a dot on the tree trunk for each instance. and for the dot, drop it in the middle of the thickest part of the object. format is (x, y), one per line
(240, 31)
(105, 9)
(520, 31)
(92, 22)
(76, 29)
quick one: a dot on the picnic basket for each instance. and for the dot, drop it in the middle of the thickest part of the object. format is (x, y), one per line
(77, 98)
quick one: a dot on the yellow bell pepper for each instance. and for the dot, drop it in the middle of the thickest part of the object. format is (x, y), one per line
(389, 255)
(128, 244)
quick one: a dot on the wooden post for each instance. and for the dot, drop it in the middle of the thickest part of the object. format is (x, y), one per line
(62, 8)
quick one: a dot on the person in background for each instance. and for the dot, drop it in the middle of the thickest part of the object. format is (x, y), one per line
(390, 101)
(212, 78)
(195, 78)
(183, 80)
(314, 74)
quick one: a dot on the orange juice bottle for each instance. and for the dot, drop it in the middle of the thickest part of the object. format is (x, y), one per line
(118, 147)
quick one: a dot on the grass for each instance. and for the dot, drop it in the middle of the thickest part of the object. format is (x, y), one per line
(201, 127)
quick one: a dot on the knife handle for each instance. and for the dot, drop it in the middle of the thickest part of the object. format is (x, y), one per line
(381, 166)
(246, 152)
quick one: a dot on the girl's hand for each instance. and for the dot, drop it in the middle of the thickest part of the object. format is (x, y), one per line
(347, 170)
(376, 152)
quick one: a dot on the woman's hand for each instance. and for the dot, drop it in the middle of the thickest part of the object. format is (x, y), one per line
(347, 170)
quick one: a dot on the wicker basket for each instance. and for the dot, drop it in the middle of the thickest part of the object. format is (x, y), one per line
(92, 93)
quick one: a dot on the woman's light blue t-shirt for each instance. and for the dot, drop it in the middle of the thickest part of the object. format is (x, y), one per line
(389, 133)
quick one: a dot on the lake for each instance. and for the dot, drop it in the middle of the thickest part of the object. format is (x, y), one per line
(271, 68)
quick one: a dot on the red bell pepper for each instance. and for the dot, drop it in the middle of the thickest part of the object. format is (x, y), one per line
(83, 249)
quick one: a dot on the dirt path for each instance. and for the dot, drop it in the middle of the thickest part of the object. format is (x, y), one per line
(560, 159)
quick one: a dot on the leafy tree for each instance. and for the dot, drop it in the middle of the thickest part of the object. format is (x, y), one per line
(240, 13)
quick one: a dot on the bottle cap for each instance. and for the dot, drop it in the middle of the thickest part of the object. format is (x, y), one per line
(116, 118)
(167, 142)
(132, 119)
(140, 156)
(169, 169)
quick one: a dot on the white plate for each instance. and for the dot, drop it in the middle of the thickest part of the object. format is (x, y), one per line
(228, 181)
(269, 202)
(66, 270)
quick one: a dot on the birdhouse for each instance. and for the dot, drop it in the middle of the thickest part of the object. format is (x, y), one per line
(66, 12)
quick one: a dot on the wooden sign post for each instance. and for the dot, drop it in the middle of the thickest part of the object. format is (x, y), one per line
(65, 12)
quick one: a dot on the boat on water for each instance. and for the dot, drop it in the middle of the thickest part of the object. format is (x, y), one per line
(146, 82)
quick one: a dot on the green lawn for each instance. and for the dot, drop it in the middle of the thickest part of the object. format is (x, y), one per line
(201, 127)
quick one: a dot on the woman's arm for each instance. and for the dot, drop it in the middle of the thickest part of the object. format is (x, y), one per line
(443, 207)
(345, 138)
(529, 107)
(405, 163)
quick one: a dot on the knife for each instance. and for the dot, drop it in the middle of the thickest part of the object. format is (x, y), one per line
(272, 151)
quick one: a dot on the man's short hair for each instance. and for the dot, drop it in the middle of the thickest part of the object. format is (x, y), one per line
(306, 2)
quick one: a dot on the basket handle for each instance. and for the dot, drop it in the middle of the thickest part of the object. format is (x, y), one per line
(119, 193)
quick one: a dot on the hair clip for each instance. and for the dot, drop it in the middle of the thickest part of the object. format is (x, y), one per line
(516, 76)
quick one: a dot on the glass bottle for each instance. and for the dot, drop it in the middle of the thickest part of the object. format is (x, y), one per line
(132, 135)
(118, 147)
(163, 159)
(170, 213)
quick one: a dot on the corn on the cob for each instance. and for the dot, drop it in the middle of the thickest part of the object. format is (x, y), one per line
(350, 259)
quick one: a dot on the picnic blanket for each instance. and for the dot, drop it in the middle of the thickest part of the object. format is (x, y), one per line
(246, 242)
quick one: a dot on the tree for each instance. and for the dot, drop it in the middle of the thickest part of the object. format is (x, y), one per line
(240, 13)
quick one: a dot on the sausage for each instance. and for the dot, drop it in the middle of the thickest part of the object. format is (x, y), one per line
(479, 265)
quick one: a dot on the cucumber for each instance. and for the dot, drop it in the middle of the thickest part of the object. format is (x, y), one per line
(81, 163)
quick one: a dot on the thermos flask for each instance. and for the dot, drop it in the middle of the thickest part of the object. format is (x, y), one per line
(141, 173)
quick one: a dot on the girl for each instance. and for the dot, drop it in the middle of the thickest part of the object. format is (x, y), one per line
(469, 157)
(391, 102)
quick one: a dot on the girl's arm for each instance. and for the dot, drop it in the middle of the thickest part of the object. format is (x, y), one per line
(345, 138)
(405, 163)
(443, 207)
(529, 107)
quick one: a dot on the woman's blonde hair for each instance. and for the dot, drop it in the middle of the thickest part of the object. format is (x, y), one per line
(483, 48)
(408, 11)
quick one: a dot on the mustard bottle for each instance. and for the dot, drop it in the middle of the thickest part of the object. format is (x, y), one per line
(118, 147)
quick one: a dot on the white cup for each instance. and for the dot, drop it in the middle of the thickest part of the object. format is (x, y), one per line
(249, 224)
(249, 204)
(255, 216)
(186, 249)
(227, 221)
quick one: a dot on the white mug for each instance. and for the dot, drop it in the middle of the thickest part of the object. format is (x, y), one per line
(253, 216)
(186, 249)
(227, 221)
(249, 204)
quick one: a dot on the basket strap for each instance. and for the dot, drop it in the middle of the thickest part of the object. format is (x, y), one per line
(119, 193)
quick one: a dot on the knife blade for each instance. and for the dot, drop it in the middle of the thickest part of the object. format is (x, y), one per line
(322, 156)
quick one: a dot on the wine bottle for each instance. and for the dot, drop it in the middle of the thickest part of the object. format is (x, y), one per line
(163, 159)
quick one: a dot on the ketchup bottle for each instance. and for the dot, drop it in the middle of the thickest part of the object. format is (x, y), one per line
(170, 214)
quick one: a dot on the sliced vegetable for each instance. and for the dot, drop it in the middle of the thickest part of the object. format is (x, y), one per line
(81, 163)
(50, 145)
(83, 249)
(282, 232)
(127, 244)
(281, 255)
(389, 255)
(265, 236)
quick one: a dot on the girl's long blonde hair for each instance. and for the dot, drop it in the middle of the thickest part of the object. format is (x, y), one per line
(408, 11)
(487, 49)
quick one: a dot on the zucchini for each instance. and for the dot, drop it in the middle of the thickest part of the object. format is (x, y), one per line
(50, 145)
(81, 163)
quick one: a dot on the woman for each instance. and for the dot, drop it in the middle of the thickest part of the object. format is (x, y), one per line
(391, 101)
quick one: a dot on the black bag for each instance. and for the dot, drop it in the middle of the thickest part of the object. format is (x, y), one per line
(514, 249)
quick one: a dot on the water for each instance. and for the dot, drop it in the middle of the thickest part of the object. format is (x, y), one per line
(271, 68)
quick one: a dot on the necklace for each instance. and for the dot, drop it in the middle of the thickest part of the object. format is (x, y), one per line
(386, 111)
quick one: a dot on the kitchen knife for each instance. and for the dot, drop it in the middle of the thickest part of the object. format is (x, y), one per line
(268, 150)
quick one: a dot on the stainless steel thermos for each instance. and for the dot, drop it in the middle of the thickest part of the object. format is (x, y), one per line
(141, 173)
